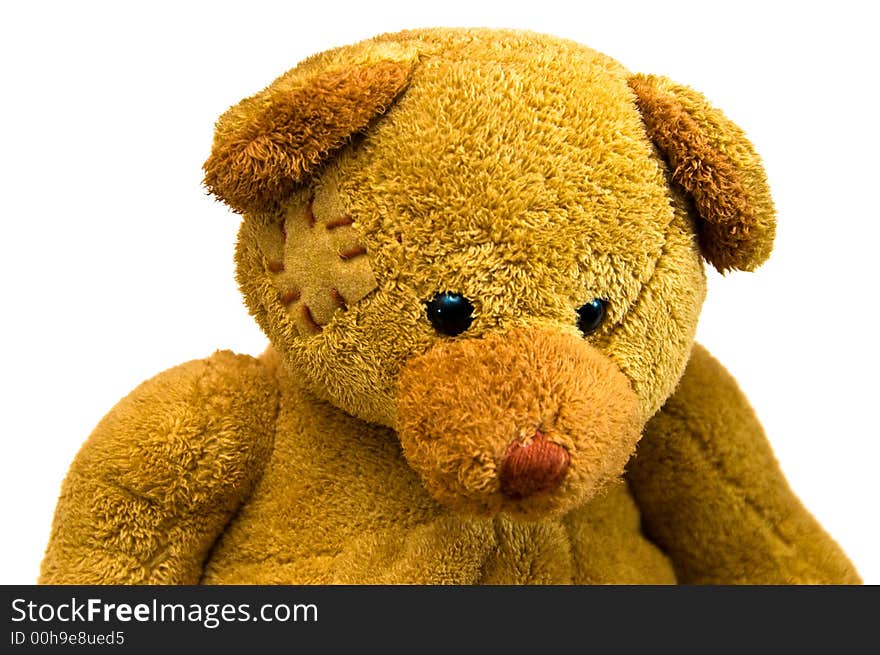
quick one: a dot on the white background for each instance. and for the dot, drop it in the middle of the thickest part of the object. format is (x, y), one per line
(115, 264)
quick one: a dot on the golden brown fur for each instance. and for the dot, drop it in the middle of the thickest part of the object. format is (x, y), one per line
(531, 175)
(163, 474)
(250, 166)
(736, 230)
(704, 468)
(463, 403)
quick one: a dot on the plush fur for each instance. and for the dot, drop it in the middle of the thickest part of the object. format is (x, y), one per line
(464, 402)
(531, 175)
(713, 161)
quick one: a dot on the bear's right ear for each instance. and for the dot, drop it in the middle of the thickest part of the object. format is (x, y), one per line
(269, 143)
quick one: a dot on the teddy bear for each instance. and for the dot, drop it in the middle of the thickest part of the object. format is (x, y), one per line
(478, 256)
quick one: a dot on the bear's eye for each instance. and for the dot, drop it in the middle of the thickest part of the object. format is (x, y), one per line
(450, 313)
(591, 315)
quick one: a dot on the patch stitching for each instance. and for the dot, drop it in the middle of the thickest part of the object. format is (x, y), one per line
(321, 267)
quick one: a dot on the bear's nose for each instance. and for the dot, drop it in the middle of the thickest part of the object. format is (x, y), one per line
(532, 466)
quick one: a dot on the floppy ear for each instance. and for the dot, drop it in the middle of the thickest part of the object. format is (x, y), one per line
(717, 167)
(269, 143)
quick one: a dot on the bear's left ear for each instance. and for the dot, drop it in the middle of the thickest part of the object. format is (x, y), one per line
(716, 165)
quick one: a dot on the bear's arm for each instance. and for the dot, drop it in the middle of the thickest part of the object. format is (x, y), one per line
(713, 497)
(161, 475)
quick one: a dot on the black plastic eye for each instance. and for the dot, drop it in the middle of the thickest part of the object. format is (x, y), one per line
(591, 315)
(450, 313)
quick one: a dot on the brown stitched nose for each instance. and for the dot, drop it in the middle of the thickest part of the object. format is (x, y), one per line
(530, 467)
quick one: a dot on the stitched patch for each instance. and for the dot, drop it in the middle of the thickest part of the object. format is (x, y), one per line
(315, 263)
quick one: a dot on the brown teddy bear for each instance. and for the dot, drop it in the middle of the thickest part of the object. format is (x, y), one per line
(478, 257)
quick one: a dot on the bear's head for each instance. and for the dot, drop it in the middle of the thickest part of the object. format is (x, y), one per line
(491, 242)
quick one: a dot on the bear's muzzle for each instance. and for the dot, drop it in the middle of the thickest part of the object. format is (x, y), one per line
(529, 422)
